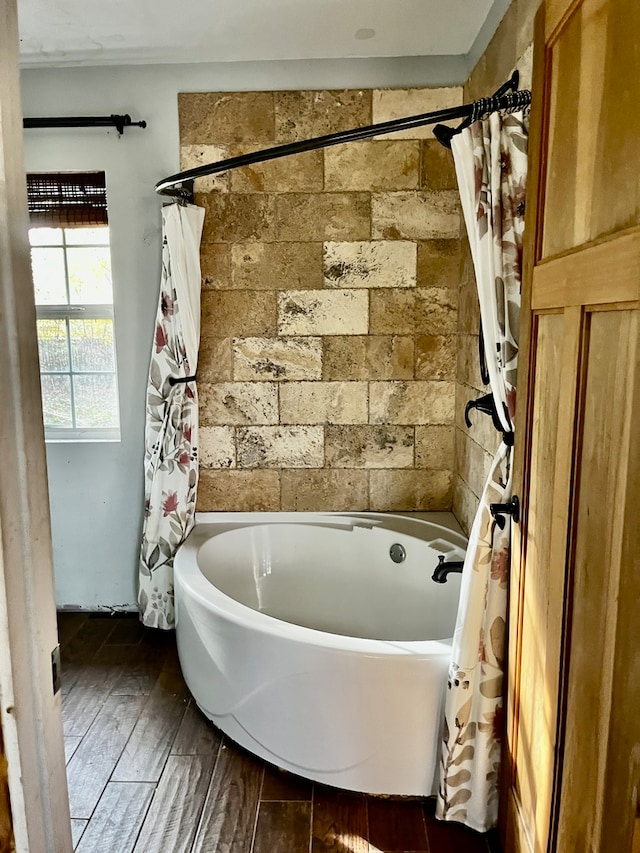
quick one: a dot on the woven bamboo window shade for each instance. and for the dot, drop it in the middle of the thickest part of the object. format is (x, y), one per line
(67, 199)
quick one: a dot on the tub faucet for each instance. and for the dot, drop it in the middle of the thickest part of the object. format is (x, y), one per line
(443, 569)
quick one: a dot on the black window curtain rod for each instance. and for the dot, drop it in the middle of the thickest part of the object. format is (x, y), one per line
(117, 121)
(506, 98)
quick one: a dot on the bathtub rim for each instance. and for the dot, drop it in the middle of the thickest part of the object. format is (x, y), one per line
(189, 575)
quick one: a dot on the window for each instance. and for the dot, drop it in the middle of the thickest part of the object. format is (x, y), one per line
(71, 266)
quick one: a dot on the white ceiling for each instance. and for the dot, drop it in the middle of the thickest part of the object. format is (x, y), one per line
(107, 32)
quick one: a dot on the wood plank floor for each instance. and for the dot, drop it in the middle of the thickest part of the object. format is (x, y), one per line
(148, 773)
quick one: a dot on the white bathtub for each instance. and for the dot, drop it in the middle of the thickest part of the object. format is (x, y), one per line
(305, 643)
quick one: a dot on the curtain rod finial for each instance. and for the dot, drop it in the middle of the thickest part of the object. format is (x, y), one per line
(444, 134)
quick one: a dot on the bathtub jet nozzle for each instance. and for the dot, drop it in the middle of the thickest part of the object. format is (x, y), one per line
(397, 553)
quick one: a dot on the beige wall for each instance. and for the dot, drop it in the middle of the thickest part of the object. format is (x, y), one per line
(510, 48)
(328, 356)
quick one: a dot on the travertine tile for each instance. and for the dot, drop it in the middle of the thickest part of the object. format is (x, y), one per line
(390, 104)
(468, 305)
(276, 266)
(238, 491)
(261, 359)
(323, 216)
(232, 403)
(339, 490)
(323, 403)
(467, 271)
(215, 266)
(438, 171)
(370, 320)
(468, 363)
(217, 447)
(438, 263)
(415, 216)
(525, 68)
(237, 217)
(368, 357)
(476, 81)
(369, 446)
(435, 447)
(323, 312)
(214, 359)
(468, 310)
(295, 173)
(377, 263)
(280, 447)
(482, 430)
(473, 463)
(392, 312)
(435, 356)
(192, 156)
(229, 313)
(226, 117)
(465, 504)
(498, 59)
(423, 310)
(525, 24)
(411, 402)
(370, 166)
(304, 114)
(436, 310)
(501, 54)
(400, 491)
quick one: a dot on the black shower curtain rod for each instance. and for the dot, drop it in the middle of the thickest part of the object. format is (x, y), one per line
(117, 121)
(507, 97)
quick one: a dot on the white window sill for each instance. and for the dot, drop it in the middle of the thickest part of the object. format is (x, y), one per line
(68, 435)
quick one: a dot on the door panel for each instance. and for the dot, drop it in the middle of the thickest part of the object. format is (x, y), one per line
(598, 529)
(592, 187)
(561, 189)
(615, 203)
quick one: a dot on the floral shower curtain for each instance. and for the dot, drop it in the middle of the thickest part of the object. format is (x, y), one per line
(171, 435)
(491, 166)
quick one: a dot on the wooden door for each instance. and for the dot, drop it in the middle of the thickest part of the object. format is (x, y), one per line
(29, 710)
(573, 739)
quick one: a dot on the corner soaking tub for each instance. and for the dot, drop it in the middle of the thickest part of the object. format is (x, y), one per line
(305, 642)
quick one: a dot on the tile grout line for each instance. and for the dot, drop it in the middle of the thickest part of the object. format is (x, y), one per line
(169, 753)
(106, 638)
(255, 822)
(137, 720)
(68, 639)
(206, 796)
(144, 816)
(200, 814)
(142, 820)
(93, 811)
(157, 781)
(84, 829)
(311, 810)
(123, 748)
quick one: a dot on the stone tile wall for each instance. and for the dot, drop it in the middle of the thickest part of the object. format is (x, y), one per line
(511, 47)
(327, 371)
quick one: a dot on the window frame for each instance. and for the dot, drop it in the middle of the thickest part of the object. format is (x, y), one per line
(68, 312)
